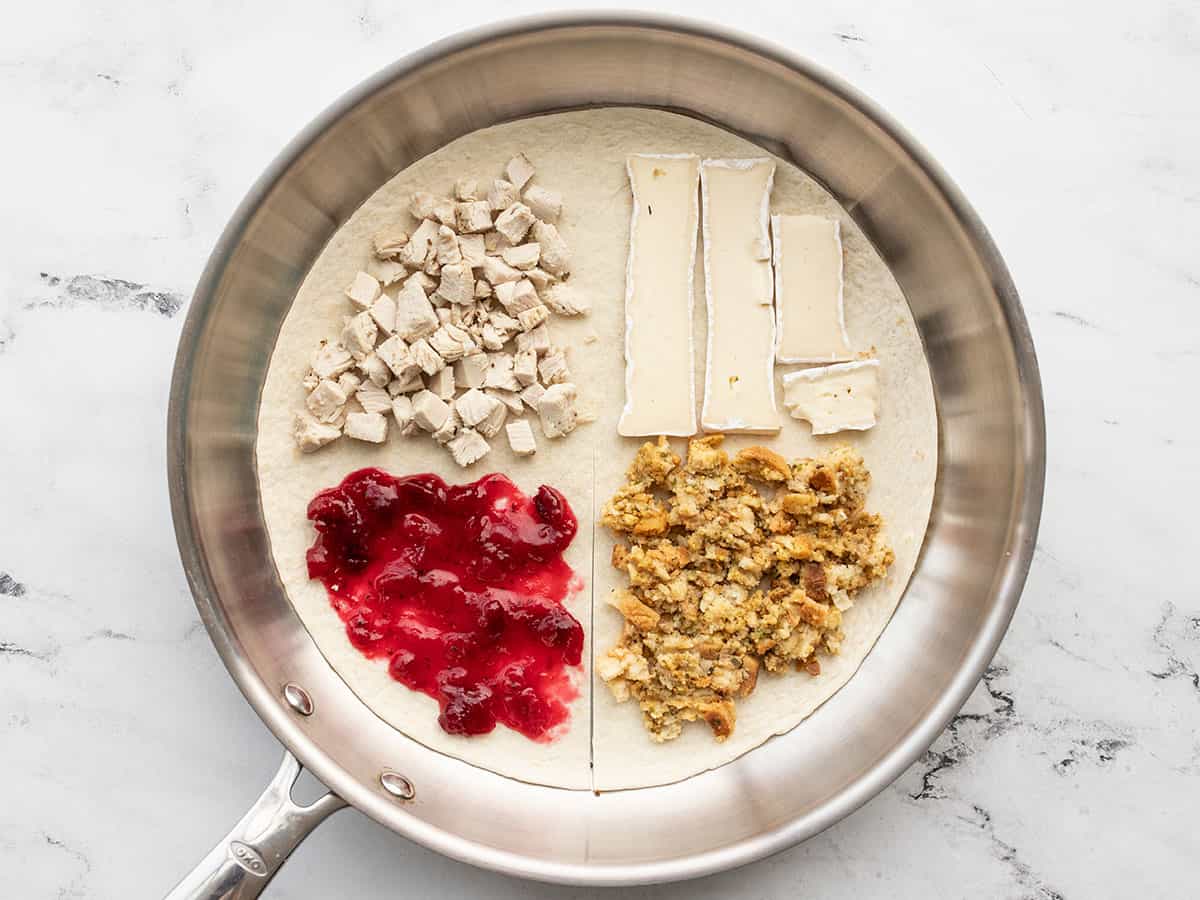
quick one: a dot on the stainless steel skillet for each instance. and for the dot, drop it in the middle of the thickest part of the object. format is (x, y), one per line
(957, 607)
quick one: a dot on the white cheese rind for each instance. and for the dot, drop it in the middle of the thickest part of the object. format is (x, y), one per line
(739, 367)
(810, 321)
(660, 384)
(841, 397)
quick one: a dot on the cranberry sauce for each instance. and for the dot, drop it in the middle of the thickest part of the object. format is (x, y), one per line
(460, 588)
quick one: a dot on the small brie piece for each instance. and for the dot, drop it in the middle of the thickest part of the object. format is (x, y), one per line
(660, 385)
(363, 290)
(841, 397)
(809, 321)
(366, 426)
(739, 371)
(312, 435)
(520, 438)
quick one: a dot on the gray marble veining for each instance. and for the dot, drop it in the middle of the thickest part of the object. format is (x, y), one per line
(134, 129)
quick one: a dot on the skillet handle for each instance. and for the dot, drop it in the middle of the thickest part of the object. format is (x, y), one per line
(240, 866)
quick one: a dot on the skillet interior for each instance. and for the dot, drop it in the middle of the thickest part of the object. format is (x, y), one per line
(981, 532)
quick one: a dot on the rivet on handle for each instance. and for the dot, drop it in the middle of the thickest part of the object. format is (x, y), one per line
(298, 699)
(397, 785)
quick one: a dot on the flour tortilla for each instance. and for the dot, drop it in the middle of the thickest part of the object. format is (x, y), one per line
(582, 154)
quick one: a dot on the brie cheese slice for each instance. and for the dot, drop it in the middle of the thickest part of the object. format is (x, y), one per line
(809, 321)
(660, 388)
(739, 371)
(842, 397)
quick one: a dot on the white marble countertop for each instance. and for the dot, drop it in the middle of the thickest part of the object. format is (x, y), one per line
(134, 129)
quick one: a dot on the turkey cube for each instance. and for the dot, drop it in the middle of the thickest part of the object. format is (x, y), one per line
(537, 340)
(414, 253)
(429, 410)
(421, 204)
(523, 257)
(519, 170)
(532, 317)
(402, 412)
(498, 272)
(388, 242)
(445, 212)
(475, 406)
(500, 373)
(331, 360)
(483, 290)
(532, 394)
(472, 250)
(406, 385)
(445, 244)
(359, 335)
(373, 399)
(556, 409)
(363, 290)
(428, 359)
(366, 426)
(396, 356)
(474, 216)
(468, 447)
(457, 284)
(502, 194)
(451, 342)
(566, 302)
(520, 438)
(544, 203)
(514, 223)
(556, 255)
(517, 296)
(383, 311)
(442, 383)
(450, 427)
(376, 369)
(511, 399)
(466, 189)
(312, 435)
(326, 400)
(415, 317)
(525, 367)
(349, 382)
(553, 367)
(471, 370)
